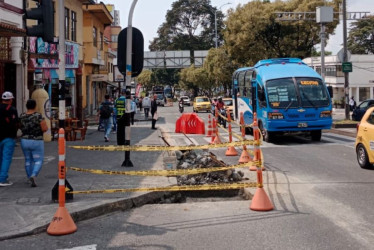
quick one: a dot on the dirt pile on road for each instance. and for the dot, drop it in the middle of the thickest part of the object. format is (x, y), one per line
(194, 159)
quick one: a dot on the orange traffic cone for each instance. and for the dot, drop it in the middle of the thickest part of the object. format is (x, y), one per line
(244, 157)
(231, 151)
(217, 140)
(213, 131)
(62, 223)
(210, 127)
(261, 201)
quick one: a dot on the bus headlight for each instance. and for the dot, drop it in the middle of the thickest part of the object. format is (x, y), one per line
(275, 116)
(325, 114)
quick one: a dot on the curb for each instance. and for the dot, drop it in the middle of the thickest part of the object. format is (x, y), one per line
(99, 210)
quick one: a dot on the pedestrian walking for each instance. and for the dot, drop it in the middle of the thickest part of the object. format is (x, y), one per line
(114, 117)
(106, 113)
(352, 103)
(133, 110)
(154, 111)
(140, 103)
(9, 124)
(33, 126)
(146, 103)
(120, 106)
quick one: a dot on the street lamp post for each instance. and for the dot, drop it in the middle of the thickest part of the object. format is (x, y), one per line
(215, 22)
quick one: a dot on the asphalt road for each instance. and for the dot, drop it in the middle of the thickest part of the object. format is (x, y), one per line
(322, 200)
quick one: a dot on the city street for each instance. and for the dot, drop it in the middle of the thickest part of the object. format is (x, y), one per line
(320, 194)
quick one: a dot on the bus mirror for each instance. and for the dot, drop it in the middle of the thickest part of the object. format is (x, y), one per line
(331, 93)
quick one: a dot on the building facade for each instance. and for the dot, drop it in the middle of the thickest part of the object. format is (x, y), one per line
(12, 51)
(361, 79)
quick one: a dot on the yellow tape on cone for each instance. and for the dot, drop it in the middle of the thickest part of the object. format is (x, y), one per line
(172, 188)
(175, 172)
(162, 148)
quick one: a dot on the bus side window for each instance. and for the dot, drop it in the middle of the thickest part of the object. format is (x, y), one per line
(247, 84)
(261, 95)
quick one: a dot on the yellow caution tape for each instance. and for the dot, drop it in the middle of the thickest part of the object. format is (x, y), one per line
(146, 148)
(171, 188)
(174, 172)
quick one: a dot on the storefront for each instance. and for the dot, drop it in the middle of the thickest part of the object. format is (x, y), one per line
(46, 72)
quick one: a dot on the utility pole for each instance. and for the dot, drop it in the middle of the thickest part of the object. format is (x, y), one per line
(345, 59)
(127, 162)
(215, 22)
(61, 66)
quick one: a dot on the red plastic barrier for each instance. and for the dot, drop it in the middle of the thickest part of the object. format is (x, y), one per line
(190, 123)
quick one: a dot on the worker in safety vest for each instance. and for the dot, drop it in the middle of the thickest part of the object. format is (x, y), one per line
(120, 107)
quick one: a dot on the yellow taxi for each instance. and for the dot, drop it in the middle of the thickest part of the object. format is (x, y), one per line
(201, 103)
(229, 105)
(365, 140)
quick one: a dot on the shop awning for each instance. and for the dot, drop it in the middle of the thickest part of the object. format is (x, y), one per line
(7, 30)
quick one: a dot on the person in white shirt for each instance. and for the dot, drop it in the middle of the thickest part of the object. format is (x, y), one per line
(146, 103)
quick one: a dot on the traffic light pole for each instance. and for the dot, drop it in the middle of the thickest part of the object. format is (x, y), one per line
(127, 162)
(345, 59)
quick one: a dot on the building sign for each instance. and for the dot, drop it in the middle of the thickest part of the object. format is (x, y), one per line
(38, 46)
(118, 77)
(99, 77)
(347, 67)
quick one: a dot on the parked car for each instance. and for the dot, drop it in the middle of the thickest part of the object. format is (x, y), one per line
(229, 105)
(201, 103)
(360, 110)
(365, 140)
(160, 100)
(186, 100)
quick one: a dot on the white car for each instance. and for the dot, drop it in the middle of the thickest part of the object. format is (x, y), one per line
(186, 100)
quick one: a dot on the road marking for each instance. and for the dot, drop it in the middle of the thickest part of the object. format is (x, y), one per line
(87, 247)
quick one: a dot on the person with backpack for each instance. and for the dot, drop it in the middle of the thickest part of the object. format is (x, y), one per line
(9, 124)
(146, 103)
(106, 112)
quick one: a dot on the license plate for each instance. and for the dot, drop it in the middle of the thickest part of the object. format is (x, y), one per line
(302, 125)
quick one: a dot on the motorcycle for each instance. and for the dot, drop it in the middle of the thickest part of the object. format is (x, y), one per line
(221, 120)
(181, 107)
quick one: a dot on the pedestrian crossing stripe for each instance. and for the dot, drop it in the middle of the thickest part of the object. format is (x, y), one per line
(175, 172)
(171, 188)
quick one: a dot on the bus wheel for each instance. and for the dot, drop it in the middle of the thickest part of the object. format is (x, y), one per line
(265, 134)
(316, 135)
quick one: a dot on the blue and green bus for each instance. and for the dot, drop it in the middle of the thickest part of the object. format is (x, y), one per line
(287, 95)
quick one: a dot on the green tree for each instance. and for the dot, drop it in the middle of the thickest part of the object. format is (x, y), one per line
(165, 76)
(361, 36)
(189, 25)
(195, 79)
(219, 67)
(253, 33)
(145, 79)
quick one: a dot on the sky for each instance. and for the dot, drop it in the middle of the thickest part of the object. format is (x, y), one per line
(150, 14)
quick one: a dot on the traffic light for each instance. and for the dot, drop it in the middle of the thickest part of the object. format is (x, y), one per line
(44, 13)
(137, 57)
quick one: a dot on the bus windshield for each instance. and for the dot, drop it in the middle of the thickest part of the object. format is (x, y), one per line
(282, 93)
(312, 92)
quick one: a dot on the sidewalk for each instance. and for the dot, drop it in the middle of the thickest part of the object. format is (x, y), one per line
(27, 210)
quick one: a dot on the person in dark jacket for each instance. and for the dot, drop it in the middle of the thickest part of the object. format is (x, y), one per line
(154, 111)
(9, 124)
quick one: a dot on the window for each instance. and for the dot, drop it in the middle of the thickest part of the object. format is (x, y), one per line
(73, 26)
(101, 41)
(330, 71)
(114, 38)
(94, 36)
(67, 23)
